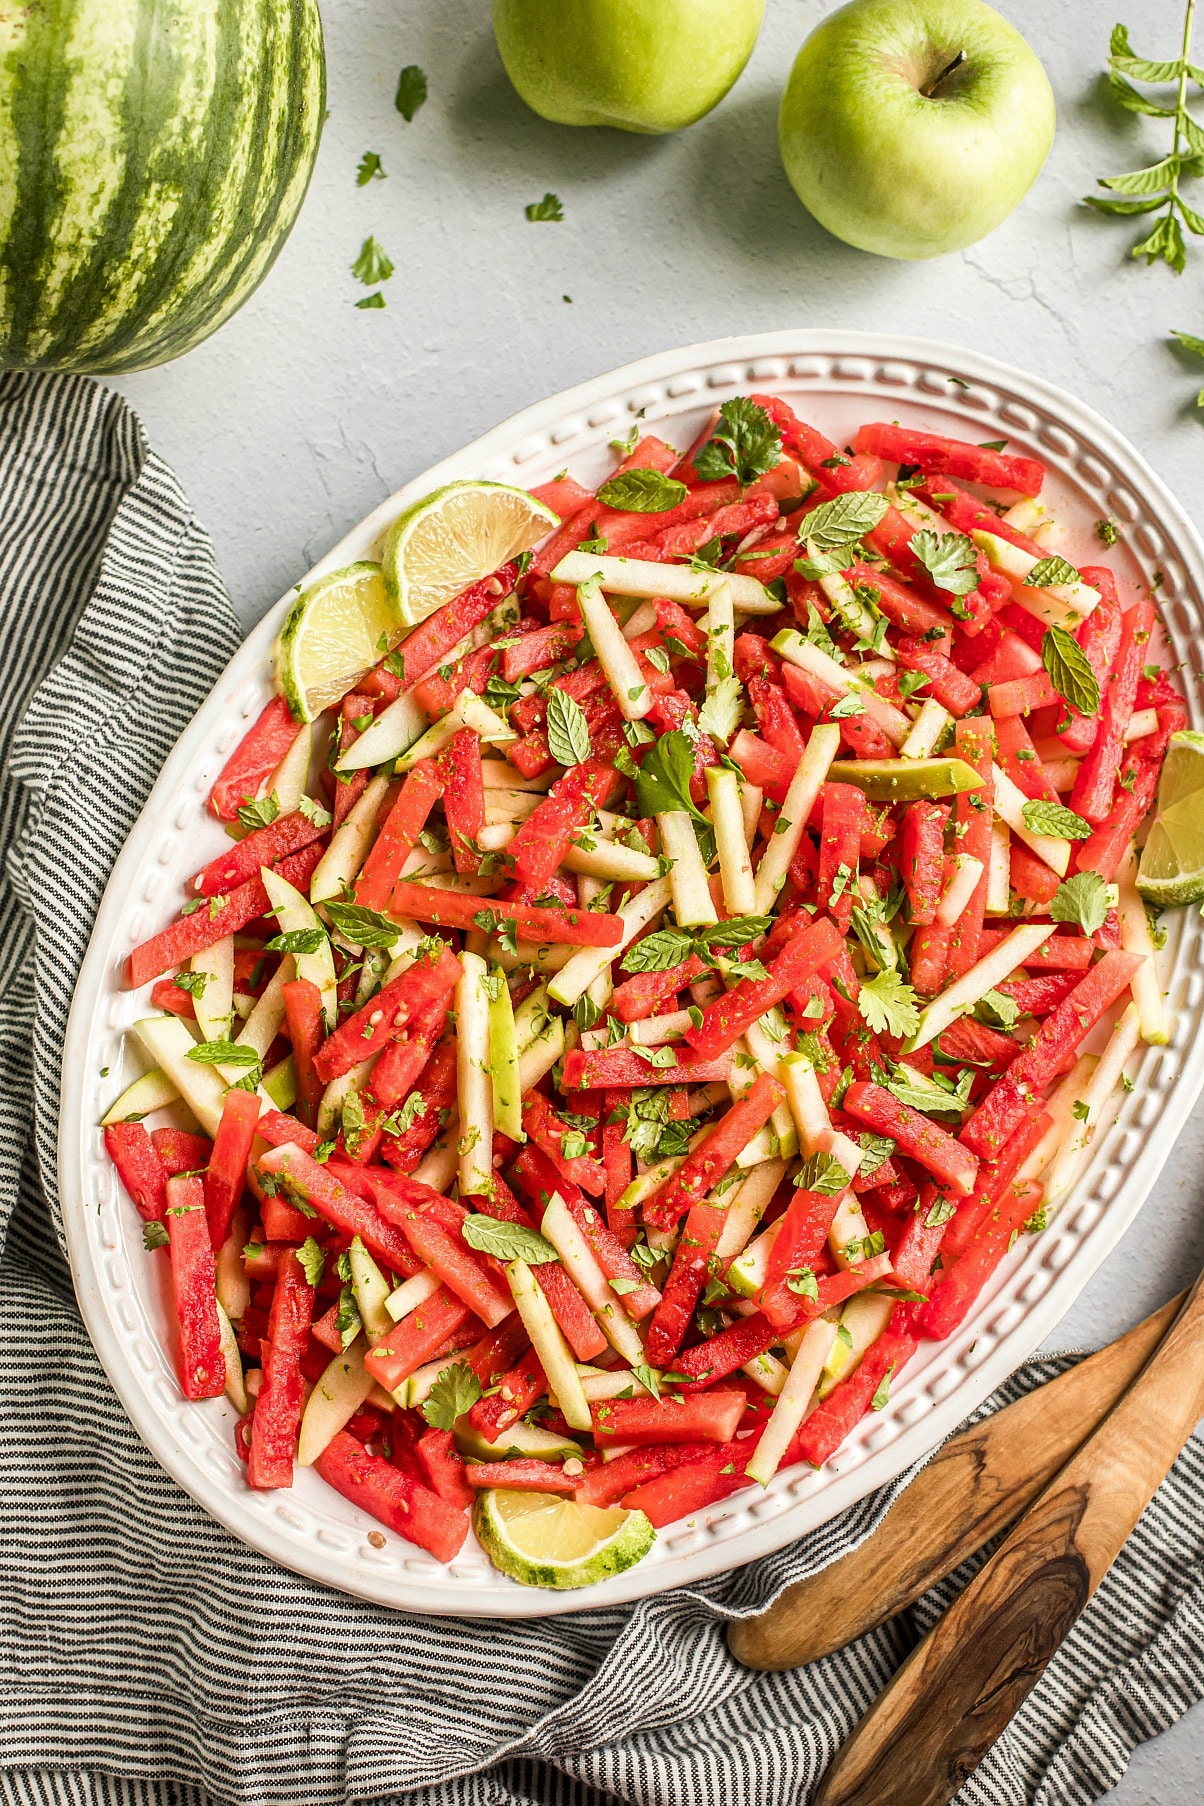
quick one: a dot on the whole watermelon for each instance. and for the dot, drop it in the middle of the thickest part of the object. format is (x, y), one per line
(153, 157)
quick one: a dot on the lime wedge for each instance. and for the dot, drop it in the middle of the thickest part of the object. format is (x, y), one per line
(905, 780)
(1171, 871)
(455, 537)
(543, 1540)
(335, 631)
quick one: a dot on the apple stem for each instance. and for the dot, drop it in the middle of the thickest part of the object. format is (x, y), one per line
(930, 91)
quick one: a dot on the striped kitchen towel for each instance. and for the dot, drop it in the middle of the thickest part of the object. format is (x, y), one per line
(145, 1655)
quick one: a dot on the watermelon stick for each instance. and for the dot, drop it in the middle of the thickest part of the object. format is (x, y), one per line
(791, 823)
(987, 975)
(453, 909)
(793, 1400)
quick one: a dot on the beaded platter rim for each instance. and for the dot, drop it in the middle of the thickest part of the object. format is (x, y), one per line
(313, 1530)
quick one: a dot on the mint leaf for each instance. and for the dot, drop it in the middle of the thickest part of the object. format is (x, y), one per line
(1069, 671)
(549, 208)
(655, 1056)
(1051, 573)
(876, 1150)
(737, 931)
(663, 785)
(822, 1173)
(223, 1053)
(411, 91)
(881, 1397)
(376, 300)
(567, 729)
(298, 940)
(840, 523)
(745, 445)
(365, 927)
(192, 982)
(950, 559)
(370, 167)
(642, 492)
(1055, 820)
(260, 814)
(508, 1241)
(803, 1283)
(1083, 900)
(659, 952)
(455, 1391)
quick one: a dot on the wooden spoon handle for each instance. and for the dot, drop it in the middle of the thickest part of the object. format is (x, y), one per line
(974, 1487)
(960, 1687)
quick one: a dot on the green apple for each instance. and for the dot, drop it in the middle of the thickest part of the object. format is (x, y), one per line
(914, 127)
(641, 65)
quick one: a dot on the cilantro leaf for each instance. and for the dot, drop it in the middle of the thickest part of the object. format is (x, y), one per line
(1084, 900)
(314, 812)
(312, 1259)
(998, 1008)
(663, 785)
(720, 713)
(642, 492)
(803, 1283)
(192, 982)
(373, 264)
(370, 167)
(376, 300)
(840, 523)
(1051, 572)
(508, 1241)
(567, 730)
(950, 559)
(154, 1235)
(1069, 671)
(411, 91)
(549, 208)
(745, 444)
(888, 1006)
(347, 1320)
(456, 1391)
(1056, 820)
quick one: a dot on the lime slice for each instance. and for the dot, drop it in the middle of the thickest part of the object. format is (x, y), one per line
(1171, 871)
(334, 633)
(543, 1540)
(455, 537)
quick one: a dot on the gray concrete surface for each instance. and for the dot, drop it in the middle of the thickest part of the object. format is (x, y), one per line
(299, 416)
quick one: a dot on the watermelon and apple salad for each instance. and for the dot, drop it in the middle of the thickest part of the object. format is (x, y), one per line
(666, 1006)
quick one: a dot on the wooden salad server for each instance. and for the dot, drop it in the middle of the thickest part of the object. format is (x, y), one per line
(974, 1487)
(960, 1687)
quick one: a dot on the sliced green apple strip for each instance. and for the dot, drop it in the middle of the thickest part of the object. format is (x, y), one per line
(549, 1344)
(640, 577)
(615, 656)
(1135, 937)
(169, 1042)
(799, 651)
(1058, 605)
(394, 729)
(611, 861)
(906, 780)
(793, 1400)
(735, 866)
(290, 780)
(334, 1401)
(349, 844)
(692, 904)
(473, 1079)
(503, 1059)
(582, 1267)
(578, 973)
(926, 730)
(296, 915)
(1084, 1123)
(862, 1320)
(1009, 803)
(792, 819)
(153, 1091)
(973, 985)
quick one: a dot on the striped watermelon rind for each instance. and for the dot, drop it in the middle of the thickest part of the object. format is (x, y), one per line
(153, 159)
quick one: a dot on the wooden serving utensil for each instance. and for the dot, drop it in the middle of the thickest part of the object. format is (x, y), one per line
(974, 1487)
(960, 1687)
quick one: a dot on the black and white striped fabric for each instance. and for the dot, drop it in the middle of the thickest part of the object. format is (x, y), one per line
(145, 1655)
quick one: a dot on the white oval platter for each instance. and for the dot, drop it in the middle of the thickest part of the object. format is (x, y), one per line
(837, 379)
